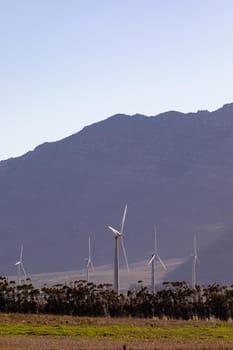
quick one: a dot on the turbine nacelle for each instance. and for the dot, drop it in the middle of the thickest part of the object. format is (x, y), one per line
(116, 232)
(89, 263)
(195, 258)
(160, 261)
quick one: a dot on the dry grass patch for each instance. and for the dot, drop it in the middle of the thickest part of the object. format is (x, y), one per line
(103, 321)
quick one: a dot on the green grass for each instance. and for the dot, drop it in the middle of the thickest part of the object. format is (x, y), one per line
(221, 331)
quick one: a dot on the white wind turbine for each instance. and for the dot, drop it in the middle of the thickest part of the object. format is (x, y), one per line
(119, 235)
(20, 267)
(155, 257)
(88, 260)
(195, 261)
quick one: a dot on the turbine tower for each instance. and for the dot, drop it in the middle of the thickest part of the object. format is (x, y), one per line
(195, 261)
(88, 260)
(119, 235)
(155, 257)
(20, 267)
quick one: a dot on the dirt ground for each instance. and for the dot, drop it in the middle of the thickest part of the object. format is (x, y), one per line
(71, 343)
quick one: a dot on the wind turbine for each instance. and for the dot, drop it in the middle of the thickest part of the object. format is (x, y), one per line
(88, 260)
(195, 261)
(119, 235)
(155, 257)
(20, 267)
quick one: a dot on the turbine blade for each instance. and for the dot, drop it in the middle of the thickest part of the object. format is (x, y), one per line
(195, 249)
(21, 253)
(89, 256)
(195, 245)
(116, 233)
(161, 262)
(23, 269)
(156, 247)
(124, 252)
(123, 219)
(152, 259)
(89, 248)
(92, 266)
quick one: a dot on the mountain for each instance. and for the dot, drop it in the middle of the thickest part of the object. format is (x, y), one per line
(214, 264)
(173, 169)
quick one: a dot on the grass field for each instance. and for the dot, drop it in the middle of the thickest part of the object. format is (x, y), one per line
(19, 331)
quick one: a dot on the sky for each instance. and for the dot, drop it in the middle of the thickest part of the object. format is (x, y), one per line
(65, 64)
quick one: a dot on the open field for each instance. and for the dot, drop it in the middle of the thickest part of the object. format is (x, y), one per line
(49, 332)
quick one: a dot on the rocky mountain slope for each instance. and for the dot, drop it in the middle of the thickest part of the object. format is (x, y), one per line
(173, 169)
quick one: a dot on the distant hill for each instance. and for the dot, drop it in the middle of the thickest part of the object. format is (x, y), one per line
(215, 263)
(173, 169)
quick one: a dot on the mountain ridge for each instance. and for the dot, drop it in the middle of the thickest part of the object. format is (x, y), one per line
(199, 112)
(173, 169)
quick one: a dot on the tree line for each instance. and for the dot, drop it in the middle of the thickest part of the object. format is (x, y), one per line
(174, 300)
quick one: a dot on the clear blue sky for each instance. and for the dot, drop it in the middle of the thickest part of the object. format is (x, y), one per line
(69, 63)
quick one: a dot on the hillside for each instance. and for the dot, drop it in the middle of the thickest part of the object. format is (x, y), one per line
(174, 169)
